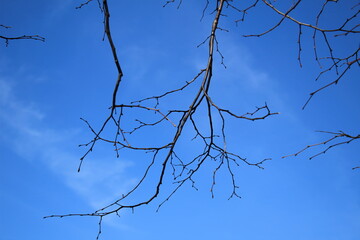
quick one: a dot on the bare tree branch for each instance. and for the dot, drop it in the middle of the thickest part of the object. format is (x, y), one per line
(346, 28)
(183, 171)
(165, 159)
(23, 37)
(335, 139)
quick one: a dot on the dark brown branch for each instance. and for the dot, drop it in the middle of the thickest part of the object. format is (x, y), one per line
(346, 62)
(171, 1)
(23, 37)
(182, 171)
(107, 30)
(212, 137)
(285, 15)
(342, 137)
(346, 27)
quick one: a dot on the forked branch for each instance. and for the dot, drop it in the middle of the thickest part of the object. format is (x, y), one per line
(165, 156)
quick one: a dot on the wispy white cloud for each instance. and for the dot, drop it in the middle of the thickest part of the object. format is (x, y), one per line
(101, 179)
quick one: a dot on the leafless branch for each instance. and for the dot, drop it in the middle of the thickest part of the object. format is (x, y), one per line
(165, 156)
(210, 140)
(23, 37)
(335, 139)
(346, 28)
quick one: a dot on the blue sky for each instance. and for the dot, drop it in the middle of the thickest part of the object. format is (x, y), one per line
(46, 87)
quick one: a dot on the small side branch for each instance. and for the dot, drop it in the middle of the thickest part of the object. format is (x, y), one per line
(335, 139)
(23, 37)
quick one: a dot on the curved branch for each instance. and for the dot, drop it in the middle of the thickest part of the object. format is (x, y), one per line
(23, 37)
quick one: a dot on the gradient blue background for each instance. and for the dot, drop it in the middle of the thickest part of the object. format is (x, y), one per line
(46, 87)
